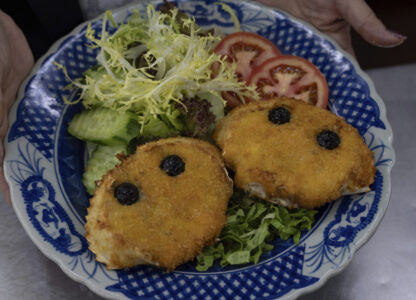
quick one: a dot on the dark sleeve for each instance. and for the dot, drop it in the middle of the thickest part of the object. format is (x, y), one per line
(43, 21)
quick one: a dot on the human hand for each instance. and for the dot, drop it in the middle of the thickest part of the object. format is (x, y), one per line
(16, 60)
(336, 17)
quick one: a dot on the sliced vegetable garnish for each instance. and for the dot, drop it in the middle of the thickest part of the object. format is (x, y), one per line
(104, 126)
(103, 159)
(290, 76)
(248, 50)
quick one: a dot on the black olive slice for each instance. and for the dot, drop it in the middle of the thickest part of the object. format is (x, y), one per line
(328, 139)
(127, 193)
(279, 115)
(172, 165)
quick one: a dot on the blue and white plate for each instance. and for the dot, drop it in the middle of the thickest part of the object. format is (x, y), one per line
(43, 166)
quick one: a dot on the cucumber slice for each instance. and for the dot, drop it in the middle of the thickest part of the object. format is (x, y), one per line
(104, 126)
(157, 128)
(101, 161)
(90, 148)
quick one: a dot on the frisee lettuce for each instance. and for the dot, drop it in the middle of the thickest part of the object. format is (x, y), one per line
(183, 64)
(251, 224)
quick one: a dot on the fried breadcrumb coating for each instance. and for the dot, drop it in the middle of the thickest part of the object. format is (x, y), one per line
(175, 217)
(284, 163)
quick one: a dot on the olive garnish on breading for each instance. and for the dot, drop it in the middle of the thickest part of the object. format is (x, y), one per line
(127, 193)
(279, 115)
(172, 165)
(328, 139)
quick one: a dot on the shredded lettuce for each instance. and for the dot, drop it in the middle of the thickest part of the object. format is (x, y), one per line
(181, 64)
(251, 224)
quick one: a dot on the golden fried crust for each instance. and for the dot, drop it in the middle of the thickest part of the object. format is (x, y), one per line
(285, 161)
(175, 216)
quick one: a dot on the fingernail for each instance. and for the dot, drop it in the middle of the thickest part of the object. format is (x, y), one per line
(397, 34)
(389, 39)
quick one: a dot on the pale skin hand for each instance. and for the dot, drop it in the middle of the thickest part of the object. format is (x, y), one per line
(337, 17)
(16, 61)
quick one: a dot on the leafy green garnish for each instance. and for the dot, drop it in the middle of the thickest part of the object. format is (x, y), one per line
(172, 66)
(251, 225)
(198, 117)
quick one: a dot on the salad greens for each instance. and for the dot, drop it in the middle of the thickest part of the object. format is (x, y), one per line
(148, 66)
(198, 116)
(251, 225)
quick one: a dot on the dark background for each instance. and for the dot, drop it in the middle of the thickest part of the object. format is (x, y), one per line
(399, 16)
(43, 21)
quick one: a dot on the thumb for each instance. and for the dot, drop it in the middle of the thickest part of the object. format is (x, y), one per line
(365, 22)
(4, 188)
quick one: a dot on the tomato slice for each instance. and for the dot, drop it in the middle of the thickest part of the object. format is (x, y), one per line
(290, 76)
(249, 50)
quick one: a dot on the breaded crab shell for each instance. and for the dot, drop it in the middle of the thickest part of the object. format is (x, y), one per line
(171, 201)
(294, 154)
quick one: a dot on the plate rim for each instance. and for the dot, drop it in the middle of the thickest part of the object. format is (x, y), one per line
(294, 293)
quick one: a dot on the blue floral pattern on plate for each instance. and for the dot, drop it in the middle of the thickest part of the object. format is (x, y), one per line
(44, 165)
